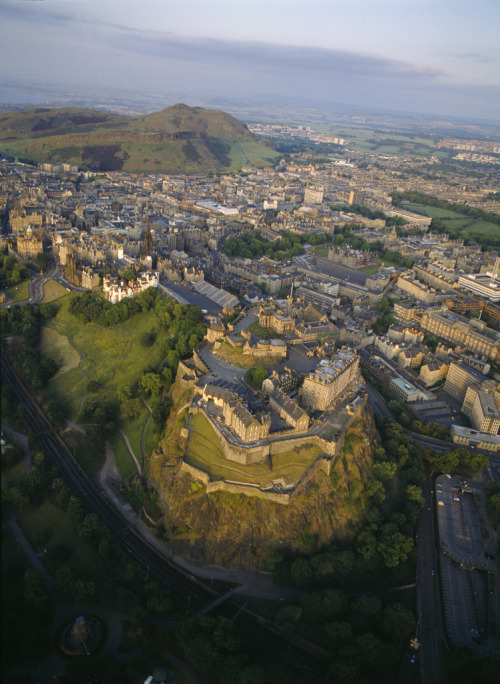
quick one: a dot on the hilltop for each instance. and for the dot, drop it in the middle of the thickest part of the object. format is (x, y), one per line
(178, 139)
(234, 530)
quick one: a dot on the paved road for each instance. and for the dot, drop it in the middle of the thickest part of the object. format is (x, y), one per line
(224, 371)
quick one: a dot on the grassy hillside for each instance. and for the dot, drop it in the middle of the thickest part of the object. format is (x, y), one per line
(178, 139)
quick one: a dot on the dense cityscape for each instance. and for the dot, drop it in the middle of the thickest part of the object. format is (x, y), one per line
(250, 342)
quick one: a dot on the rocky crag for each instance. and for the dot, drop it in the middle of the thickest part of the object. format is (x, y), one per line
(233, 530)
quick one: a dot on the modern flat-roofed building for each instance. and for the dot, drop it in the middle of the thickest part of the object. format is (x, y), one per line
(405, 391)
(483, 284)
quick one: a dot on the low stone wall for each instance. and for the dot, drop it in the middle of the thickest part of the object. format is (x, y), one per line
(198, 361)
(247, 490)
(196, 473)
(257, 454)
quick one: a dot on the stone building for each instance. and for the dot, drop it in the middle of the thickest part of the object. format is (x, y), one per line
(473, 335)
(433, 372)
(272, 319)
(115, 290)
(247, 426)
(458, 380)
(289, 411)
(29, 244)
(287, 380)
(332, 377)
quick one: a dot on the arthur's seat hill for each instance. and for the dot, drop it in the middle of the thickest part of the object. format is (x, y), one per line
(178, 139)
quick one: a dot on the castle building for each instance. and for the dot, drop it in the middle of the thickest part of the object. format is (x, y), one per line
(332, 377)
(247, 426)
(271, 319)
(289, 411)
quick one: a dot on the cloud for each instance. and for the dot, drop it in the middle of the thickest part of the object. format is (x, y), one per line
(475, 57)
(270, 57)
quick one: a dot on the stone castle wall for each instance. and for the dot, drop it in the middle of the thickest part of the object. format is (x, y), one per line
(258, 454)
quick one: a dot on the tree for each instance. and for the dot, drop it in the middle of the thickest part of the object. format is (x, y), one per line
(160, 604)
(76, 511)
(414, 493)
(91, 527)
(301, 573)
(129, 274)
(338, 631)
(93, 386)
(256, 376)
(398, 623)
(151, 383)
(64, 582)
(35, 593)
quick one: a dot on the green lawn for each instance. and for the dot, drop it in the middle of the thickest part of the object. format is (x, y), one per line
(264, 333)
(53, 290)
(370, 270)
(113, 356)
(484, 228)
(459, 221)
(206, 454)
(124, 462)
(437, 212)
(18, 293)
(133, 429)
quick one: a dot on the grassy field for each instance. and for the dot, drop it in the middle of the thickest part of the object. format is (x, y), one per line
(264, 333)
(205, 453)
(457, 221)
(370, 270)
(112, 356)
(53, 290)
(124, 462)
(57, 347)
(18, 293)
(484, 228)
(321, 251)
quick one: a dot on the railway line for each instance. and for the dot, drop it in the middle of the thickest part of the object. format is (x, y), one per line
(264, 635)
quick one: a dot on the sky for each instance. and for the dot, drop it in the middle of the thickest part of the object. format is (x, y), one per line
(437, 57)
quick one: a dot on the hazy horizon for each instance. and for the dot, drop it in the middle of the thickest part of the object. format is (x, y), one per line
(438, 59)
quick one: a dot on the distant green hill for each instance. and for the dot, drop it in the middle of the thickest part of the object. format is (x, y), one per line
(178, 139)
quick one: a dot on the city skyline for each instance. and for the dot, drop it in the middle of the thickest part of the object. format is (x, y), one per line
(438, 59)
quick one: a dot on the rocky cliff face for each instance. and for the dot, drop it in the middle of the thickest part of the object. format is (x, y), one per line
(238, 531)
